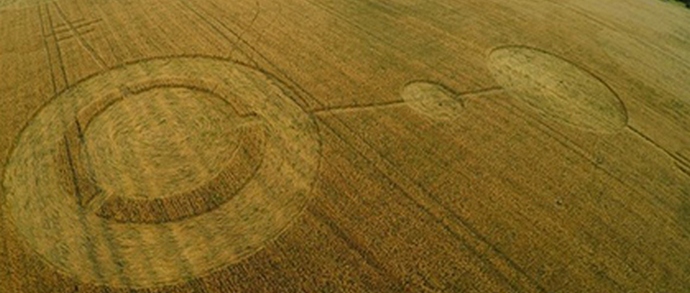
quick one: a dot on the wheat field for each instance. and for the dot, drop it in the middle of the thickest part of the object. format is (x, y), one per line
(344, 146)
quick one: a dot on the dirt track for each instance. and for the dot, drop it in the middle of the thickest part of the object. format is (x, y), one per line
(344, 146)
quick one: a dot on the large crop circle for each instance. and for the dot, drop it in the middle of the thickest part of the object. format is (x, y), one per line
(160, 171)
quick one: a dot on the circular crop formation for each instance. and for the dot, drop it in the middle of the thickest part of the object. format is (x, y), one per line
(160, 171)
(432, 100)
(551, 86)
(558, 89)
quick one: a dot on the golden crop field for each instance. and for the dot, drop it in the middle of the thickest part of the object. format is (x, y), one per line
(344, 146)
